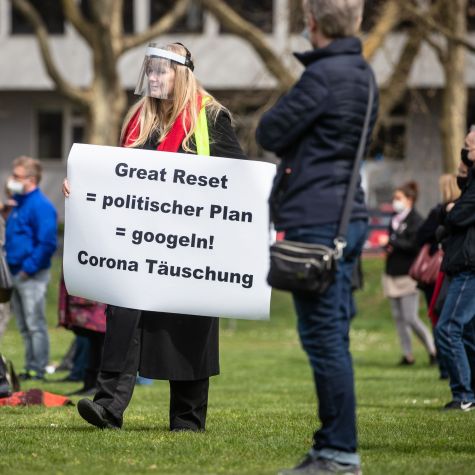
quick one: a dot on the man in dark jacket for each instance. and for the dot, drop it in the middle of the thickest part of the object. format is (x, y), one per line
(455, 331)
(30, 241)
(315, 129)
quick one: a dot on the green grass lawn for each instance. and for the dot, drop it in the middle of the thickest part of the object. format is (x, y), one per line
(262, 409)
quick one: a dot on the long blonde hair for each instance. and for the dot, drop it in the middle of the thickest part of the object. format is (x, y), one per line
(448, 187)
(158, 115)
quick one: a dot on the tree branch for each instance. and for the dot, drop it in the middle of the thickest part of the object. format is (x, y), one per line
(158, 28)
(429, 22)
(76, 18)
(242, 28)
(66, 88)
(439, 50)
(394, 89)
(389, 17)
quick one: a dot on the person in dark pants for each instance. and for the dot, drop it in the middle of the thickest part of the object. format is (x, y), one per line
(315, 129)
(175, 115)
(455, 330)
(427, 234)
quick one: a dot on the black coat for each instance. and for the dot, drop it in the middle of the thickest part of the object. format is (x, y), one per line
(315, 128)
(459, 223)
(173, 347)
(404, 245)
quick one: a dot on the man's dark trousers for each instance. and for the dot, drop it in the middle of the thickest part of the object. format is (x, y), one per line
(323, 325)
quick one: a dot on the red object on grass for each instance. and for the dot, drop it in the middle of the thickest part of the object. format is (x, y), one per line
(35, 397)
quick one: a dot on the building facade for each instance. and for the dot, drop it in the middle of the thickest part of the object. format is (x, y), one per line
(37, 121)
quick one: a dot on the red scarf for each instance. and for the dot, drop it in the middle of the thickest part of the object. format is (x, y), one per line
(172, 141)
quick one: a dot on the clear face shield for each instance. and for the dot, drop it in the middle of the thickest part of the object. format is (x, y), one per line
(157, 76)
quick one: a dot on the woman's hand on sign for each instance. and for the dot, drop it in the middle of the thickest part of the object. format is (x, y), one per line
(66, 190)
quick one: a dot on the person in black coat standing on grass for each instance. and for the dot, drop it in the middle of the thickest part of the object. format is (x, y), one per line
(455, 330)
(399, 287)
(175, 114)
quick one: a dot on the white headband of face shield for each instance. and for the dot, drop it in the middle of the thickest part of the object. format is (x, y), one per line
(163, 53)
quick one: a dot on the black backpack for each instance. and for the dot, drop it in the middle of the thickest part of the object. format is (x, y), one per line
(8, 379)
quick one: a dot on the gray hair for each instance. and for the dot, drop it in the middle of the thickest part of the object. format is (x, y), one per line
(337, 18)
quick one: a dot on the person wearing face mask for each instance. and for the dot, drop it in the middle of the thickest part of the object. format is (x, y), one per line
(175, 114)
(399, 287)
(455, 330)
(30, 242)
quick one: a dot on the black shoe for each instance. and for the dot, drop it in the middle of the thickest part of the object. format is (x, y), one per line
(83, 392)
(25, 376)
(96, 415)
(406, 362)
(464, 406)
(319, 466)
(31, 376)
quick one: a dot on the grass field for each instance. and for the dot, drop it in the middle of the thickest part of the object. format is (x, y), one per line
(262, 409)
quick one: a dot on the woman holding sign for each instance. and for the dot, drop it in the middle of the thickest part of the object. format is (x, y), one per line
(175, 114)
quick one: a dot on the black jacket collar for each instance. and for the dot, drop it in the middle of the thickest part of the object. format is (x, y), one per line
(339, 46)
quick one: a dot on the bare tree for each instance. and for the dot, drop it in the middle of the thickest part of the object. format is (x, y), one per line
(444, 28)
(389, 17)
(104, 100)
(447, 18)
(454, 99)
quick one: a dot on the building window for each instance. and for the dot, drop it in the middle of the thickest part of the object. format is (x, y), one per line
(259, 13)
(49, 130)
(50, 11)
(191, 22)
(127, 14)
(78, 127)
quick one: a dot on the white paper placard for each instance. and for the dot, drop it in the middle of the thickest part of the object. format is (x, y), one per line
(168, 232)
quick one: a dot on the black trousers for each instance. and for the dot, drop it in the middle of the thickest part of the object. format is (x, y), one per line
(188, 399)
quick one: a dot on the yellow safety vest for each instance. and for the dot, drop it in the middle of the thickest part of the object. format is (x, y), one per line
(201, 131)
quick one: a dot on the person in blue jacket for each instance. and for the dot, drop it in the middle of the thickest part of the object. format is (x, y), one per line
(315, 129)
(30, 241)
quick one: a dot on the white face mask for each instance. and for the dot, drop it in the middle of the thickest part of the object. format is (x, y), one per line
(398, 206)
(15, 187)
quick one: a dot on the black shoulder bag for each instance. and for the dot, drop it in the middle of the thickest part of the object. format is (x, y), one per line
(311, 268)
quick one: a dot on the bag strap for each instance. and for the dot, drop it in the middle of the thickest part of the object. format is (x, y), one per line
(340, 240)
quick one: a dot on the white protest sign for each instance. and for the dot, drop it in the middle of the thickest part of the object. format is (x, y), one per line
(168, 232)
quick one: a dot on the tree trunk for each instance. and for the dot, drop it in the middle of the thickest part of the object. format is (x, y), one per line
(105, 116)
(454, 97)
